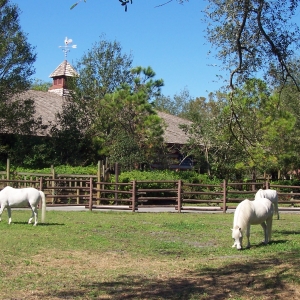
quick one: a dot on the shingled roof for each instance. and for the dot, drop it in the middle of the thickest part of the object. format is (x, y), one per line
(47, 105)
(64, 69)
(173, 134)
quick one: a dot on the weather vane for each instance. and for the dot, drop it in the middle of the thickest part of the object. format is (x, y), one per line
(67, 46)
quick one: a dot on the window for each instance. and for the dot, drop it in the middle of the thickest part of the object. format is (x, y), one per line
(58, 81)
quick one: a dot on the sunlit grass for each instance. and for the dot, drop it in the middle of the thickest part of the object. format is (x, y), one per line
(85, 255)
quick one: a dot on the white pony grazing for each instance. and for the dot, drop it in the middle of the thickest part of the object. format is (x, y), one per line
(11, 197)
(271, 195)
(259, 211)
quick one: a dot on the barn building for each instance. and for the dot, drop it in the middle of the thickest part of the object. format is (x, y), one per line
(48, 104)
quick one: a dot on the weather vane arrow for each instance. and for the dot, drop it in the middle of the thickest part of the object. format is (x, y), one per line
(67, 47)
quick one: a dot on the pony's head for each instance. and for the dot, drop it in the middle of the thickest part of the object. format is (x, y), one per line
(237, 237)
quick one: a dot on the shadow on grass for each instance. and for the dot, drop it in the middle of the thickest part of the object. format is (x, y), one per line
(265, 278)
(262, 244)
(51, 224)
(39, 224)
(278, 242)
(287, 232)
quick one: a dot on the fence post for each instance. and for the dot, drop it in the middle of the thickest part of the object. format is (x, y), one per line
(41, 189)
(98, 180)
(103, 178)
(105, 170)
(91, 194)
(179, 195)
(77, 190)
(116, 181)
(41, 183)
(53, 183)
(7, 170)
(133, 196)
(224, 195)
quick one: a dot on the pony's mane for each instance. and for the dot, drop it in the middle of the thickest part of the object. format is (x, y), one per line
(269, 194)
(242, 214)
(260, 193)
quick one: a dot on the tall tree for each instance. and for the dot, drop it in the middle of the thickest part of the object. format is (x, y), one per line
(16, 54)
(16, 67)
(131, 131)
(103, 69)
(205, 132)
(254, 39)
(251, 35)
(261, 126)
(259, 140)
(289, 98)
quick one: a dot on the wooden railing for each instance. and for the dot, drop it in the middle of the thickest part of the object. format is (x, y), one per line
(95, 194)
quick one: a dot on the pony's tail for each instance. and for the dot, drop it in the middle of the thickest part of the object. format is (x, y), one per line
(43, 206)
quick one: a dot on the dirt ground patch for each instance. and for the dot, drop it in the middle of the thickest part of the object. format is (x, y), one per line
(118, 275)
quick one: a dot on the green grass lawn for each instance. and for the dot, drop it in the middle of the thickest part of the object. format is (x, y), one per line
(124, 255)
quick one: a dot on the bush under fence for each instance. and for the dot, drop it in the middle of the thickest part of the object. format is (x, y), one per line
(87, 191)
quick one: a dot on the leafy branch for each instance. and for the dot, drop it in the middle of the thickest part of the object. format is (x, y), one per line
(123, 3)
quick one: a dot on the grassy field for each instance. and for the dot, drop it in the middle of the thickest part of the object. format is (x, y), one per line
(123, 255)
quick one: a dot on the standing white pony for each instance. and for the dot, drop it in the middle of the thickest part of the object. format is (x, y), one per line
(271, 195)
(259, 211)
(11, 197)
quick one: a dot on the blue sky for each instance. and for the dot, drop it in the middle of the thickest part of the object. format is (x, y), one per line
(169, 38)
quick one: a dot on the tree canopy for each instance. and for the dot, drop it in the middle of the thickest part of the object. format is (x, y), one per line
(16, 54)
(254, 37)
(103, 69)
(16, 67)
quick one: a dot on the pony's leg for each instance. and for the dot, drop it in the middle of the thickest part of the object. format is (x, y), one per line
(32, 216)
(269, 228)
(248, 236)
(35, 215)
(9, 214)
(1, 211)
(276, 209)
(264, 226)
(30, 219)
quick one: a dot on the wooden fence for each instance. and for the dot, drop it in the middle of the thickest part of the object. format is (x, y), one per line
(93, 194)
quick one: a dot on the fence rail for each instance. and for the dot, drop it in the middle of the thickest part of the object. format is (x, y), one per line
(94, 194)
